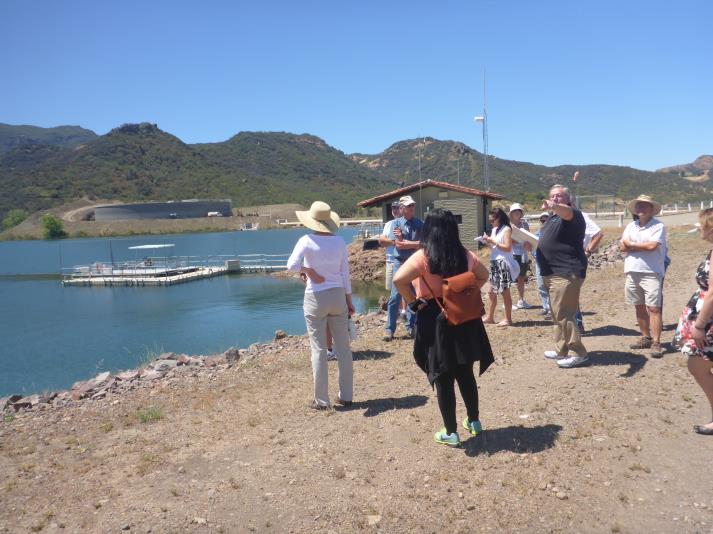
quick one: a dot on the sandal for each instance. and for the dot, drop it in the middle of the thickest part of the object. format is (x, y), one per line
(704, 430)
(488, 322)
(503, 324)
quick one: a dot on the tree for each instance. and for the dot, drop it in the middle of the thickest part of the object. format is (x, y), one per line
(13, 218)
(53, 227)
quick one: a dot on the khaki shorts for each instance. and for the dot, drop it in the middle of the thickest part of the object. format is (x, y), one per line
(643, 289)
(389, 274)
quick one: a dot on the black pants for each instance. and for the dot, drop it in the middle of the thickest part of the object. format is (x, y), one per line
(463, 374)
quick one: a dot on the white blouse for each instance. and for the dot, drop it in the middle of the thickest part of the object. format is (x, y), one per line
(327, 255)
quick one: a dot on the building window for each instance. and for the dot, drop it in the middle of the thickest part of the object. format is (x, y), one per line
(443, 194)
(459, 218)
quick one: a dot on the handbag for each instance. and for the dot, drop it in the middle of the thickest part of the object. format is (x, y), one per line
(461, 298)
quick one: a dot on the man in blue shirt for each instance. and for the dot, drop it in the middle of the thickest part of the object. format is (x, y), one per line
(407, 239)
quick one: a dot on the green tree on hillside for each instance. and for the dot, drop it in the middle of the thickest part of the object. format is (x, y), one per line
(13, 218)
(53, 226)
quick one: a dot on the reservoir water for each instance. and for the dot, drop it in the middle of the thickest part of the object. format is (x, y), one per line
(52, 336)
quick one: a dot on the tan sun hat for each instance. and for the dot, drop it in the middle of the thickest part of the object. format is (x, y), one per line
(319, 218)
(515, 206)
(647, 199)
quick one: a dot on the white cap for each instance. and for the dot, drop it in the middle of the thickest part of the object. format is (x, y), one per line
(515, 206)
(407, 200)
(544, 214)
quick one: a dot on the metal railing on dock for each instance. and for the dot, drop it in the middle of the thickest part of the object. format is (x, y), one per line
(162, 270)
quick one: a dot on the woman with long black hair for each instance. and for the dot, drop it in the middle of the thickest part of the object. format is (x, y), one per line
(445, 352)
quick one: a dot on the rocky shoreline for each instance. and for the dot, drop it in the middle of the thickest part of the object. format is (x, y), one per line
(166, 366)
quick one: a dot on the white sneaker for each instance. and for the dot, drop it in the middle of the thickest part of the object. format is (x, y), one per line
(573, 361)
(331, 355)
(552, 355)
(521, 304)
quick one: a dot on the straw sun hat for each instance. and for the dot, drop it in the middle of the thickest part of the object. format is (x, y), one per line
(648, 200)
(319, 218)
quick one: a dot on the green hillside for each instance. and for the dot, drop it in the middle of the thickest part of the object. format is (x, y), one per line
(138, 162)
(12, 136)
(141, 162)
(453, 161)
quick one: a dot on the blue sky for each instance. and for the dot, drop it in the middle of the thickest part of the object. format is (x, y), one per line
(620, 82)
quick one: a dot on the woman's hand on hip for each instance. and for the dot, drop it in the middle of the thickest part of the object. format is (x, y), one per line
(314, 275)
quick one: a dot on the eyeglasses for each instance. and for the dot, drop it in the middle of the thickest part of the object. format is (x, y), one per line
(544, 219)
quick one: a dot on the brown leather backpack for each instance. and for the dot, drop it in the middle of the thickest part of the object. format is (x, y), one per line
(461, 298)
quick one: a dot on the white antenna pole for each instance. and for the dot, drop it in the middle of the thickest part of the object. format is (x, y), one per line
(486, 178)
(484, 120)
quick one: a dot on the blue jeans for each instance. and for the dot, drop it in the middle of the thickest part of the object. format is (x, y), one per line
(544, 295)
(394, 306)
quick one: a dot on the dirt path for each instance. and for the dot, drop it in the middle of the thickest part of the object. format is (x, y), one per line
(603, 448)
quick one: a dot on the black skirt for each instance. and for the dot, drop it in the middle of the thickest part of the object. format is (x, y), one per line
(439, 346)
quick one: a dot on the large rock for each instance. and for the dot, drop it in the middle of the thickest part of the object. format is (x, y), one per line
(280, 334)
(164, 366)
(231, 355)
(83, 389)
(128, 375)
(5, 402)
(33, 400)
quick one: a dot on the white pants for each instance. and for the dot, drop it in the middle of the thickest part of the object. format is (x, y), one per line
(329, 307)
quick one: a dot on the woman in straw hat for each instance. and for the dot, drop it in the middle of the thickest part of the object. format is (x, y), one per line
(322, 257)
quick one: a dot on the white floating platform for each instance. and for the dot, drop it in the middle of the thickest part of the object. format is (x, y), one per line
(134, 280)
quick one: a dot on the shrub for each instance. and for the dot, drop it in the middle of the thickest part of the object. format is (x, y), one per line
(54, 229)
(13, 218)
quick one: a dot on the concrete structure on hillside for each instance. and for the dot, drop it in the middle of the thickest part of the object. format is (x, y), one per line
(182, 209)
(471, 206)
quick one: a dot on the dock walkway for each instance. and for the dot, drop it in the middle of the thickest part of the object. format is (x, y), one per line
(159, 272)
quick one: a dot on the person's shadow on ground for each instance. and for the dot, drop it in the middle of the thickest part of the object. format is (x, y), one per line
(371, 355)
(517, 439)
(635, 362)
(613, 330)
(374, 407)
(530, 322)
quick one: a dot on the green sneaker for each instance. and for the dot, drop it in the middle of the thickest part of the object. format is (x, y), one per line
(452, 440)
(474, 427)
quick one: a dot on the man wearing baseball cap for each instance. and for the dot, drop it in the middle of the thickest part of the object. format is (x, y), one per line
(407, 239)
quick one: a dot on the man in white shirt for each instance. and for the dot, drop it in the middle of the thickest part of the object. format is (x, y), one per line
(592, 236)
(644, 242)
(386, 240)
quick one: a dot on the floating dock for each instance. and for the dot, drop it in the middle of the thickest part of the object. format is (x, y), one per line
(171, 270)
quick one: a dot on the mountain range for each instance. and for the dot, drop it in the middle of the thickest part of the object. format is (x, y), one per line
(44, 167)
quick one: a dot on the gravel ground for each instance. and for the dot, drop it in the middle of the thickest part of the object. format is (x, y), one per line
(604, 448)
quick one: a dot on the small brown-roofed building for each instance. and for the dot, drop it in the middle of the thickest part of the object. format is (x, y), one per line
(469, 205)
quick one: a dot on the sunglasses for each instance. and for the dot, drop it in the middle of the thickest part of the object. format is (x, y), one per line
(544, 219)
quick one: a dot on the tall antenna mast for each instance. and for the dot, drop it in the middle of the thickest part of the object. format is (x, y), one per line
(484, 120)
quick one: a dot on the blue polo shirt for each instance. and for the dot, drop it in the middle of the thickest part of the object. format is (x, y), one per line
(411, 231)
